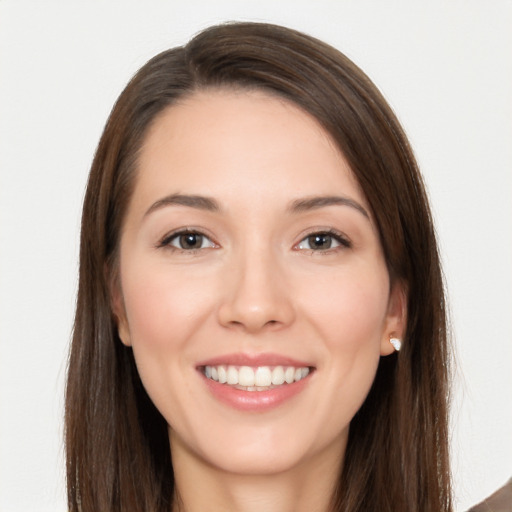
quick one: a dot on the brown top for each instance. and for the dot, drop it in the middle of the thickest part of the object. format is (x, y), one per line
(500, 501)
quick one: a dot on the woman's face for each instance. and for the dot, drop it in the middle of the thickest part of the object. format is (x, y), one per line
(249, 254)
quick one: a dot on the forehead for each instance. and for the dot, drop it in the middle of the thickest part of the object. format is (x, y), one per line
(230, 143)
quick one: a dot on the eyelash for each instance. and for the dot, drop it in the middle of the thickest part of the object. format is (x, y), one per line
(340, 238)
(165, 243)
(337, 236)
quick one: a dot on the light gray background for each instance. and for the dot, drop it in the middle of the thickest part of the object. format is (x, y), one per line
(446, 68)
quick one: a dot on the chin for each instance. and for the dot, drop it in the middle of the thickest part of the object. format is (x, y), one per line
(260, 461)
(262, 450)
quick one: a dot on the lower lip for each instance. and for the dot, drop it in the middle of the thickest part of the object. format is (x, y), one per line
(257, 401)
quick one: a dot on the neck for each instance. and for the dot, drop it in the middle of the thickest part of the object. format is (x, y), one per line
(306, 487)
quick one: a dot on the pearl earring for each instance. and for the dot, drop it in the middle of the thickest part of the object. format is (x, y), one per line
(397, 344)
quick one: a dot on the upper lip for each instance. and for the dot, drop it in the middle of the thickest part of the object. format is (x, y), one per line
(264, 359)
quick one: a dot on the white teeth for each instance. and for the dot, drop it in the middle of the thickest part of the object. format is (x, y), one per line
(221, 371)
(246, 376)
(260, 378)
(232, 375)
(263, 376)
(278, 376)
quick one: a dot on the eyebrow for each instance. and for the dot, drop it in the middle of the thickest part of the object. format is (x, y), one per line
(296, 206)
(317, 202)
(198, 202)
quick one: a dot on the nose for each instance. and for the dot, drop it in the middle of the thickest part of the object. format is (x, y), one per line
(256, 296)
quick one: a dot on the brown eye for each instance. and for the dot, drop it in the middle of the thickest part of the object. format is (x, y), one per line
(322, 241)
(190, 241)
(187, 241)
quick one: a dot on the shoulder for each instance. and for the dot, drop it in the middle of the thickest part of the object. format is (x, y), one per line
(500, 501)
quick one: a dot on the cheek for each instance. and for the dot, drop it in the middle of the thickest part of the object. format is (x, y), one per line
(164, 310)
(348, 314)
(348, 308)
(162, 307)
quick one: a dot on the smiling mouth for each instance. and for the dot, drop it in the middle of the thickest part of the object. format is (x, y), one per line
(258, 378)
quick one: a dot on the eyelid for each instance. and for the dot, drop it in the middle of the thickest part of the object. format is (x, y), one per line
(165, 241)
(340, 237)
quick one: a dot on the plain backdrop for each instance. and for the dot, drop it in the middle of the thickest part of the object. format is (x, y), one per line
(445, 67)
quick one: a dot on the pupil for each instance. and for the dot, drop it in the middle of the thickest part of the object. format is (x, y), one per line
(320, 241)
(191, 241)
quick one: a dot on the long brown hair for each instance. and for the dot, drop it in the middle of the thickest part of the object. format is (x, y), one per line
(118, 454)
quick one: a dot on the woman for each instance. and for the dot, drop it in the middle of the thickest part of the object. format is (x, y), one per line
(256, 246)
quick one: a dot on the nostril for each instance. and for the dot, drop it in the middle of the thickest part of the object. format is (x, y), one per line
(271, 324)
(253, 315)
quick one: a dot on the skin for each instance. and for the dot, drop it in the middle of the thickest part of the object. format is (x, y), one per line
(254, 286)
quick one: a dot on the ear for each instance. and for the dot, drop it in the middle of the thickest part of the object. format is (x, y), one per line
(119, 311)
(396, 317)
